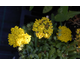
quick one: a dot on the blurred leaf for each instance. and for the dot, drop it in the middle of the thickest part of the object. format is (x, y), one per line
(23, 57)
(71, 14)
(55, 26)
(47, 54)
(51, 52)
(58, 50)
(31, 7)
(55, 38)
(55, 30)
(72, 55)
(52, 18)
(31, 44)
(24, 52)
(78, 56)
(39, 40)
(71, 49)
(39, 55)
(54, 56)
(64, 47)
(43, 55)
(34, 51)
(47, 9)
(32, 23)
(32, 38)
(54, 44)
(40, 49)
(75, 42)
(28, 25)
(63, 9)
(25, 29)
(31, 55)
(29, 49)
(60, 17)
(59, 53)
(36, 56)
(45, 48)
(58, 45)
(35, 42)
(62, 12)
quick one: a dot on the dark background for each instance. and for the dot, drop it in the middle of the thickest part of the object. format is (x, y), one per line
(20, 15)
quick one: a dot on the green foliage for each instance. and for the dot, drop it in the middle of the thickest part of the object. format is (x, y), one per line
(31, 7)
(47, 9)
(52, 18)
(51, 52)
(63, 10)
(58, 45)
(63, 14)
(50, 48)
(60, 17)
(71, 14)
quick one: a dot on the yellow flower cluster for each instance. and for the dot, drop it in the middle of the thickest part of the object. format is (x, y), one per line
(43, 28)
(17, 37)
(78, 37)
(64, 34)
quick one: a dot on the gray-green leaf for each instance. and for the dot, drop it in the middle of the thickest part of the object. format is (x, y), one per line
(60, 17)
(51, 52)
(47, 9)
(71, 14)
(31, 7)
(63, 9)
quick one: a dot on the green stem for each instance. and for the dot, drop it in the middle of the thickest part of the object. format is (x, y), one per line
(35, 40)
(61, 23)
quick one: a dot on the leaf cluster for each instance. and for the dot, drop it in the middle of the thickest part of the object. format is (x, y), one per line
(50, 48)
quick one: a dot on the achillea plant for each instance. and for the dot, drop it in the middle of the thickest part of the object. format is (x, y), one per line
(17, 37)
(64, 34)
(43, 28)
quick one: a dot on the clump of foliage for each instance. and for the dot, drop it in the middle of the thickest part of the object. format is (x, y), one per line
(50, 47)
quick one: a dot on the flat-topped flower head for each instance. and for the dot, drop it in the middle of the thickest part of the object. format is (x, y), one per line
(17, 37)
(64, 34)
(43, 28)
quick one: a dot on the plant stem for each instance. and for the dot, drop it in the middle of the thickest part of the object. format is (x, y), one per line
(35, 42)
(61, 23)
